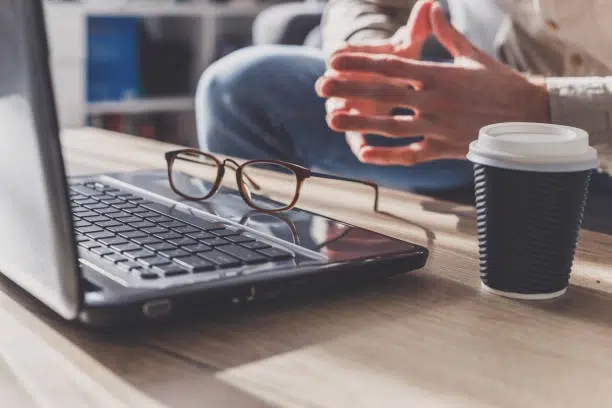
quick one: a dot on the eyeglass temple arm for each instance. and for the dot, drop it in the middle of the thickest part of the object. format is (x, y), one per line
(233, 166)
(367, 183)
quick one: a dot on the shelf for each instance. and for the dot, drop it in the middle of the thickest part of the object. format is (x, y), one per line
(233, 8)
(147, 105)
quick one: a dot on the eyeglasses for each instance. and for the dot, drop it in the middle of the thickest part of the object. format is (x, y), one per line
(265, 185)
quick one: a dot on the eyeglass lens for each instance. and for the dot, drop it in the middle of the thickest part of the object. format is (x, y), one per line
(269, 185)
(193, 174)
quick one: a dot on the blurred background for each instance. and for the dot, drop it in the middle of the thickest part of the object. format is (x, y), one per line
(133, 65)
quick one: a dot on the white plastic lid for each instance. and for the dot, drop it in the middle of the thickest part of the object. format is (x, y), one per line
(533, 147)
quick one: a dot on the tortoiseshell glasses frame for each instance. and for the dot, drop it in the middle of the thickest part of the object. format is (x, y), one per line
(242, 179)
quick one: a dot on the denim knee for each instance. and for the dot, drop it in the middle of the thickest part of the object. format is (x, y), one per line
(245, 82)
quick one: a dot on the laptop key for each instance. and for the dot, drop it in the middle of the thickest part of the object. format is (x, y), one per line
(88, 244)
(105, 198)
(80, 238)
(148, 275)
(125, 205)
(221, 259)
(186, 229)
(137, 210)
(172, 224)
(243, 254)
(132, 234)
(127, 220)
(139, 253)
(114, 258)
(154, 261)
(226, 232)
(158, 218)
(254, 245)
(118, 214)
(96, 219)
(195, 263)
(107, 211)
(182, 241)
(200, 235)
(86, 191)
(81, 224)
(101, 251)
(148, 214)
(100, 235)
(238, 239)
(108, 224)
(214, 242)
(146, 240)
(186, 218)
(170, 270)
(197, 248)
(128, 246)
(83, 201)
(174, 253)
(168, 235)
(276, 253)
(112, 201)
(155, 230)
(113, 241)
(83, 212)
(90, 228)
(120, 229)
(98, 185)
(160, 246)
(97, 206)
(142, 224)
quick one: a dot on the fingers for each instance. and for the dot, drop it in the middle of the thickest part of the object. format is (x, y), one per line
(415, 153)
(455, 42)
(333, 105)
(416, 73)
(390, 126)
(372, 46)
(356, 142)
(382, 92)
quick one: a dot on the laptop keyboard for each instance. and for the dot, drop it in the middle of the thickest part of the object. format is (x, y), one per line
(145, 239)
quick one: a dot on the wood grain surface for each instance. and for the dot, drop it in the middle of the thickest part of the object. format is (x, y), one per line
(430, 338)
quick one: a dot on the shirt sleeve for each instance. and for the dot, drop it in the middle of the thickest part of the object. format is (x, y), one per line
(361, 20)
(586, 103)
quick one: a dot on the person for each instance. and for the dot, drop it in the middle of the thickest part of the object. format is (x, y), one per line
(370, 104)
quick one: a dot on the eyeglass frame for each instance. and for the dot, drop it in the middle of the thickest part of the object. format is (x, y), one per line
(301, 173)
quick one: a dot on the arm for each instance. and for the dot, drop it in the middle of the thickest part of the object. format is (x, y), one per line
(362, 20)
(585, 102)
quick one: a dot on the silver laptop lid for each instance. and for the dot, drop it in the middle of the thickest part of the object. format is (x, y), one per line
(37, 248)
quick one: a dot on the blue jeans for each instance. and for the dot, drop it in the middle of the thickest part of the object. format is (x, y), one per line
(260, 103)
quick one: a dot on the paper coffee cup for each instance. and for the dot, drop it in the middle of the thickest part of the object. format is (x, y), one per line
(531, 183)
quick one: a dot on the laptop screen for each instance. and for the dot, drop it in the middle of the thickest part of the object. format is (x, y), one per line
(36, 241)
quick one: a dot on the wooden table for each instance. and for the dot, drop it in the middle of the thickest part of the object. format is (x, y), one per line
(426, 339)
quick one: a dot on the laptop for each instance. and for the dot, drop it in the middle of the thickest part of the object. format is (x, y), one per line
(116, 248)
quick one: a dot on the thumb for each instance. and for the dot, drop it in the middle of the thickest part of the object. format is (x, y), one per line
(418, 28)
(455, 42)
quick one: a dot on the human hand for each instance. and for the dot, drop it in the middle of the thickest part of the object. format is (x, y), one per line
(451, 101)
(407, 42)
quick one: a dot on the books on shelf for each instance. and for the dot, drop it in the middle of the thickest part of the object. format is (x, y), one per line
(177, 128)
(125, 61)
